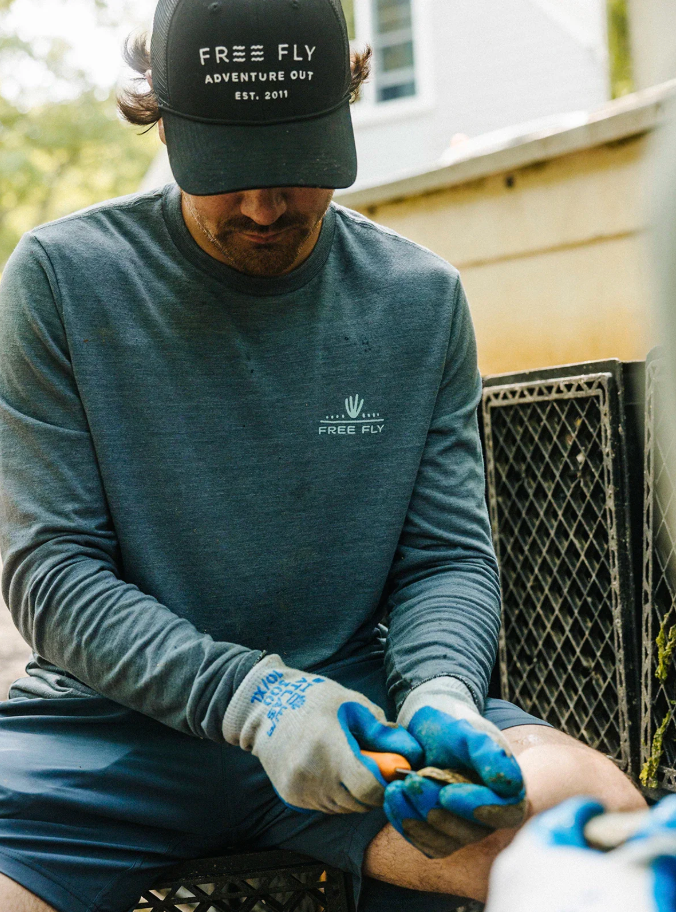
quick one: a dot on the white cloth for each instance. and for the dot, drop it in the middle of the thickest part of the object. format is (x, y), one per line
(537, 875)
(527, 878)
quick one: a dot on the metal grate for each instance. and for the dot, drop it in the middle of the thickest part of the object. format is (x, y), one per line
(273, 881)
(658, 691)
(557, 496)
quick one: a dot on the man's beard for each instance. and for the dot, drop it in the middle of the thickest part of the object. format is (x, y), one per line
(254, 259)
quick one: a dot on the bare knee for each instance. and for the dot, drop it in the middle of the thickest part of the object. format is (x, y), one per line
(556, 766)
(15, 898)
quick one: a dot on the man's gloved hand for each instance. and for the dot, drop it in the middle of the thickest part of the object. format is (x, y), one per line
(307, 732)
(438, 819)
(550, 866)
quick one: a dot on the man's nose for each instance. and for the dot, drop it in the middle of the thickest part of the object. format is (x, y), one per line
(263, 206)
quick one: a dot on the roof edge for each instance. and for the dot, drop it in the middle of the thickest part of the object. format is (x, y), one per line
(513, 148)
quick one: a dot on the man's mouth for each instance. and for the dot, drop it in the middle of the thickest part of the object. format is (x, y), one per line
(269, 237)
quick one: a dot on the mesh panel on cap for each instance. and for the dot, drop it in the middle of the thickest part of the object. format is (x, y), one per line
(340, 16)
(160, 38)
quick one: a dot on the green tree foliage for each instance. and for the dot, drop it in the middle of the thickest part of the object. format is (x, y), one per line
(621, 77)
(348, 9)
(57, 156)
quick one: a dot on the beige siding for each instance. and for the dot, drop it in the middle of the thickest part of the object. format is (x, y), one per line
(551, 255)
(561, 306)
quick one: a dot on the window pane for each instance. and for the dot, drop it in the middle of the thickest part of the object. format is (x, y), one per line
(392, 15)
(396, 57)
(348, 9)
(388, 93)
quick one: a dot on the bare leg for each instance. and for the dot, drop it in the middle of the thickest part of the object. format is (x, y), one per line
(14, 898)
(555, 767)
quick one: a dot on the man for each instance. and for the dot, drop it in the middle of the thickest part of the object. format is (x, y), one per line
(238, 429)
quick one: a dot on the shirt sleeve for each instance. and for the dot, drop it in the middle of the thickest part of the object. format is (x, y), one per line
(444, 596)
(61, 576)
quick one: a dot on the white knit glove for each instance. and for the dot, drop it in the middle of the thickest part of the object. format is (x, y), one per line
(446, 694)
(307, 731)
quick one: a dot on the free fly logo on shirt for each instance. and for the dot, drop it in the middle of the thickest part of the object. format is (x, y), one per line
(353, 420)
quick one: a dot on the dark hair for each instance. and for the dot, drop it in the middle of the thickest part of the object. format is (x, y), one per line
(137, 101)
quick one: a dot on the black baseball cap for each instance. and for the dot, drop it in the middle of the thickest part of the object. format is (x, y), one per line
(254, 93)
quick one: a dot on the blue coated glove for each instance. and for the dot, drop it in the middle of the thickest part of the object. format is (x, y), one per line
(550, 865)
(439, 819)
(307, 732)
(655, 843)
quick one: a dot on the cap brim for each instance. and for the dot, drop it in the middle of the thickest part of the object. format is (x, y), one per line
(208, 159)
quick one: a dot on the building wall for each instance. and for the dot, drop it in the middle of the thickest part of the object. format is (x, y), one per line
(552, 255)
(482, 66)
(652, 28)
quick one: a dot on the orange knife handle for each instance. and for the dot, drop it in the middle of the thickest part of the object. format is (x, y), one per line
(388, 764)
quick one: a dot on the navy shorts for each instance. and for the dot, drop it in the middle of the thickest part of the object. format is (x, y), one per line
(97, 800)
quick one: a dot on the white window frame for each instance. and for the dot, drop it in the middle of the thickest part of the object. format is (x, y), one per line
(368, 110)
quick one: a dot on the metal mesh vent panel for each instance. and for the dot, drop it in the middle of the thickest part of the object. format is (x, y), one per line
(659, 595)
(228, 887)
(549, 452)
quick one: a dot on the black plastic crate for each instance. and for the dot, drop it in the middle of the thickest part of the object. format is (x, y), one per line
(557, 466)
(274, 881)
(658, 686)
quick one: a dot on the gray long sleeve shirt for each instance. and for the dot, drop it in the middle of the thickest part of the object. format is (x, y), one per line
(197, 465)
